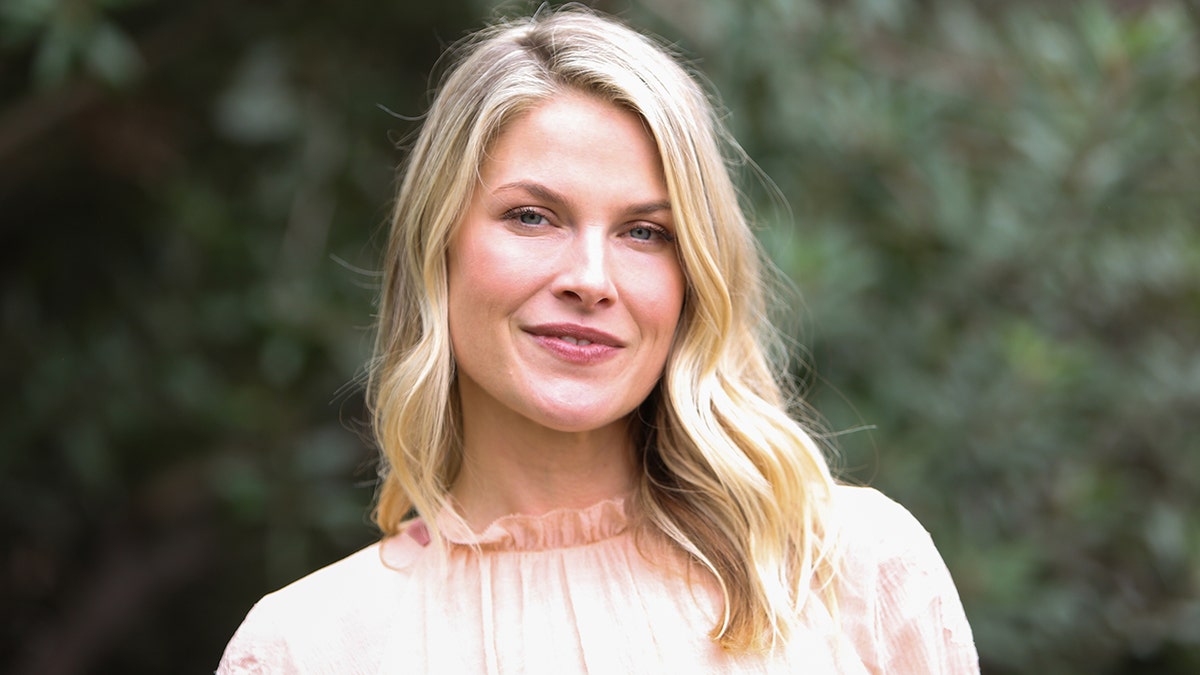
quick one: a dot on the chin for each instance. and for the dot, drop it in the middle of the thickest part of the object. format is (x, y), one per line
(574, 422)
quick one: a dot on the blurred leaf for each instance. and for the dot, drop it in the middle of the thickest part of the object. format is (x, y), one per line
(112, 56)
(258, 106)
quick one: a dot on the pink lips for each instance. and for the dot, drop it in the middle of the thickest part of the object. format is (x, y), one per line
(601, 345)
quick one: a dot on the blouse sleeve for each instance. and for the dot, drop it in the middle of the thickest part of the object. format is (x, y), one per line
(256, 648)
(918, 622)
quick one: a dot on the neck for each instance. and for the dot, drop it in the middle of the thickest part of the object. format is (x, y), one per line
(531, 470)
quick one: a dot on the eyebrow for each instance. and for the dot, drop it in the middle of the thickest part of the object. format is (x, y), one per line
(546, 194)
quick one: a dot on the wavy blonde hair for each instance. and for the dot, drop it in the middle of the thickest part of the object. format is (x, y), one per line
(727, 474)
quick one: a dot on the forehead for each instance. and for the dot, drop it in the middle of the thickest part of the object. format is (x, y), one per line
(572, 133)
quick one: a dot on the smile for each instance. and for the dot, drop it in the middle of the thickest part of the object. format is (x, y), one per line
(575, 335)
(576, 344)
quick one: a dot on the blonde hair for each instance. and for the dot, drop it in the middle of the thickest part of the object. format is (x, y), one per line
(728, 475)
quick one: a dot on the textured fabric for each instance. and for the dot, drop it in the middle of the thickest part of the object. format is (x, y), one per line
(578, 591)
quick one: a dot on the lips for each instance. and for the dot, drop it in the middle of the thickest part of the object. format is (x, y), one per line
(574, 334)
(575, 344)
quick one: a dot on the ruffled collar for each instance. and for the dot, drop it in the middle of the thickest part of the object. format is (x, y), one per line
(560, 528)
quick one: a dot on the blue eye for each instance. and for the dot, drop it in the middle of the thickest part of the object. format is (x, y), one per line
(530, 218)
(643, 233)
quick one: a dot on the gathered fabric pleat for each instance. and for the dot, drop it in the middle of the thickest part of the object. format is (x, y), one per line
(586, 591)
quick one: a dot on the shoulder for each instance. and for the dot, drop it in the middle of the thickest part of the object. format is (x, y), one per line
(900, 605)
(327, 616)
(329, 587)
(881, 545)
(858, 504)
(870, 523)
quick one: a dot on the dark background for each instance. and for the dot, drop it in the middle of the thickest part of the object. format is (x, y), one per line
(991, 224)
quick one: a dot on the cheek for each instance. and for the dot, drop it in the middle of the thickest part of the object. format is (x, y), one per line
(485, 276)
(463, 279)
(661, 303)
(674, 287)
(470, 268)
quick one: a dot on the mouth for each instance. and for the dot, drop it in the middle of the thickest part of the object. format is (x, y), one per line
(575, 335)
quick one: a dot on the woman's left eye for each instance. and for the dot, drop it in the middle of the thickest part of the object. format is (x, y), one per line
(643, 233)
(650, 233)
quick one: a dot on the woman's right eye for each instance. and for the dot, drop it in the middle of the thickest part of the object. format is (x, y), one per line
(526, 217)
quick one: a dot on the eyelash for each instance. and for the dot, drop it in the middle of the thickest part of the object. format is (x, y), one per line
(517, 213)
(659, 230)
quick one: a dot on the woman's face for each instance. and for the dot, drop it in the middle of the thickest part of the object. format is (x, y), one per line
(564, 283)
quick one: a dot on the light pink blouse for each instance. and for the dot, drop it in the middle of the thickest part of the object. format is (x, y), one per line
(572, 591)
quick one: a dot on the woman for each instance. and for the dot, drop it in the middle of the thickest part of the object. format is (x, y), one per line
(587, 461)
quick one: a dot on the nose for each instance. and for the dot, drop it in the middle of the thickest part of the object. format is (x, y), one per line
(585, 276)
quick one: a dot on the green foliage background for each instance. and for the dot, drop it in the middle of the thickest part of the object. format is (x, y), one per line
(992, 226)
